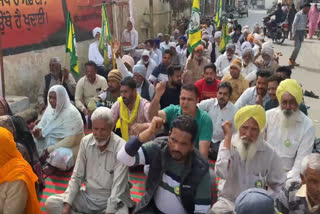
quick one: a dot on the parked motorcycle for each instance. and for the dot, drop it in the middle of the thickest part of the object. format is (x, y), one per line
(277, 32)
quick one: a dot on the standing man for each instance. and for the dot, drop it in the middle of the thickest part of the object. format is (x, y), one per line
(55, 78)
(105, 178)
(299, 30)
(220, 110)
(129, 38)
(195, 64)
(178, 180)
(288, 130)
(182, 50)
(258, 94)
(165, 44)
(172, 90)
(208, 86)
(246, 160)
(88, 87)
(130, 112)
(188, 106)
(160, 73)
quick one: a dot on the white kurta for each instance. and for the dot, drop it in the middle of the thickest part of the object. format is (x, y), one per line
(95, 55)
(292, 144)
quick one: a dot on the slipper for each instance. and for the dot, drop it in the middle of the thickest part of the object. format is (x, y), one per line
(310, 94)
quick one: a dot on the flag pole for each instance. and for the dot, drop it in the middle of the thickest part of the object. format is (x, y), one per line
(112, 53)
(2, 70)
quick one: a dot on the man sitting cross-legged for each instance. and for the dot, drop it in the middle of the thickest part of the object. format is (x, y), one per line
(178, 180)
(245, 160)
(105, 178)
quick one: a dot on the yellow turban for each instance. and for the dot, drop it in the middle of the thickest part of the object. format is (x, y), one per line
(292, 87)
(245, 113)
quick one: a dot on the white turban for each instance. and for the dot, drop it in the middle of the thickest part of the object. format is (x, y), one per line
(95, 31)
(267, 50)
(217, 34)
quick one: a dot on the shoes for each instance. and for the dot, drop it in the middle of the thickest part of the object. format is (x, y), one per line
(292, 63)
(310, 94)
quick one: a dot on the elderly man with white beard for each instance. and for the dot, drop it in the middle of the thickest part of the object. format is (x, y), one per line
(245, 160)
(289, 131)
(105, 178)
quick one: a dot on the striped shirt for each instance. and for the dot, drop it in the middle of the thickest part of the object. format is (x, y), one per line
(167, 197)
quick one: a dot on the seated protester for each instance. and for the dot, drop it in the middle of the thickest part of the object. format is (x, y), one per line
(17, 180)
(156, 49)
(188, 106)
(124, 64)
(284, 72)
(207, 46)
(225, 59)
(182, 49)
(171, 89)
(258, 94)
(165, 44)
(22, 136)
(215, 47)
(130, 112)
(95, 55)
(57, 76)
(175, 57)
(59, 132)
(153, 53)
(25, 145)
(105, 178)
(109, 95)
(302, 197)
(178, 180)
(195, 64)
(160, 73)
(288, 130)
(144, 87)
(146, 61)
(267, 61)
(208, 86)
(249, 69)
(246, 160)
(255, 200)
(273, 83)
(88, 87)
(238, 82)
(247, 44)
(220, 109)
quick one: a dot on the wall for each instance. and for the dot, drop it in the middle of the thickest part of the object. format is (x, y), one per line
(24, 72)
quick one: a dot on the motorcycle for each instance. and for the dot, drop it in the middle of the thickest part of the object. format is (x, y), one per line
(277, 32)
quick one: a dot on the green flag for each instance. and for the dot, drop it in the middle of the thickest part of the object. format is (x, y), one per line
(218, 13)
(225, 38)
(194, 27)
(105, 37)
(71, 46)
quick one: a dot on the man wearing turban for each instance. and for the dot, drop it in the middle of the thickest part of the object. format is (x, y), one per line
(267, 61)
(288, 130)
(245, 160)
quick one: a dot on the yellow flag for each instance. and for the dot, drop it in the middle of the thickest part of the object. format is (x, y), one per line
(194, 27)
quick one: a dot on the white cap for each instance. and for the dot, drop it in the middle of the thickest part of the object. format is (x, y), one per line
(172, 45)
(95, 31)
(145, 53)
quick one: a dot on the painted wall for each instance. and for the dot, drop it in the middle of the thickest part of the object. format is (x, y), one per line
(25, 72)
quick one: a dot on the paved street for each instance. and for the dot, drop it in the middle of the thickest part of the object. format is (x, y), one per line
(308, 74)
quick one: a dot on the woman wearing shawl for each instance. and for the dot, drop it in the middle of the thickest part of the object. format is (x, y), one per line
(59, 132)
(17, 180)
(23, 138)
(313, 20)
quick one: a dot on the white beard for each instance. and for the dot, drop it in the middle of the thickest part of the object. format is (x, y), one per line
(247, 150)
(288, 121)
(101, 143)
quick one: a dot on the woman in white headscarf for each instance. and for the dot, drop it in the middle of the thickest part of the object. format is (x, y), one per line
(59, 133)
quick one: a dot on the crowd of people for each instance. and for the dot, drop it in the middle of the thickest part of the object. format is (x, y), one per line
(171, 111)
